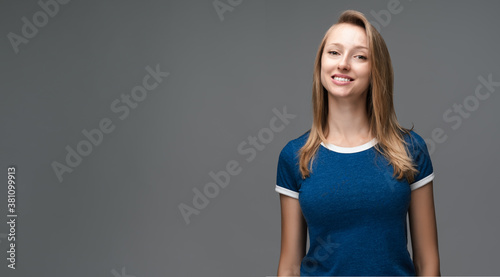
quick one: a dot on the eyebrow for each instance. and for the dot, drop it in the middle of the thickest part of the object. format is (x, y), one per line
(355, 47)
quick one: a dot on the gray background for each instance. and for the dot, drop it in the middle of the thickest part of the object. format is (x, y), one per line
(118, 210)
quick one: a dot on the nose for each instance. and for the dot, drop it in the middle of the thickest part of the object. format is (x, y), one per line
(344, 63)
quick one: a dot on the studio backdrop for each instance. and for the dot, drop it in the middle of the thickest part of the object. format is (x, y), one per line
(141, 138)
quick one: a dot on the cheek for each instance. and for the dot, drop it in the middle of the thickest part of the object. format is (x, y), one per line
(322, 76)
(326, 70)
(366, 72)
(327, 65)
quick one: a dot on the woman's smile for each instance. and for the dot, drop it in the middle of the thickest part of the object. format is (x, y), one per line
(341, 79)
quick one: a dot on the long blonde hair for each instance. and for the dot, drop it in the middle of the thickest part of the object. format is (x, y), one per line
(380, 108)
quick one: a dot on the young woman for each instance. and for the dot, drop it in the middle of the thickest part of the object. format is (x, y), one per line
(355, 175)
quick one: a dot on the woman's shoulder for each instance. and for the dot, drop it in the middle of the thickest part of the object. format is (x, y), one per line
(414, 139)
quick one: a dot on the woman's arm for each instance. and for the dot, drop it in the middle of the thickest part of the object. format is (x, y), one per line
(424, 237)
(293, 237)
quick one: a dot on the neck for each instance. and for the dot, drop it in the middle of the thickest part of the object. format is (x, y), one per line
(348, 120)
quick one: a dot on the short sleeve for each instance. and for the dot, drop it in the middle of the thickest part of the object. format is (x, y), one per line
(286, 177)
(422, 159)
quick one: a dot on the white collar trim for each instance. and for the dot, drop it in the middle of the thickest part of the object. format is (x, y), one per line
(354, 149)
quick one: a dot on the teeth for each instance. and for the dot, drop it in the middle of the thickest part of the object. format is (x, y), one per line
(342, 79)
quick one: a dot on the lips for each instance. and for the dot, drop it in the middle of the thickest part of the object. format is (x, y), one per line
(342, 77)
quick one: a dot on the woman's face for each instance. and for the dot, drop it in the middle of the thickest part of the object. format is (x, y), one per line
(345, 64)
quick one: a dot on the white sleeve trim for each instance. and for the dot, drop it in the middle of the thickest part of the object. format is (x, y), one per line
(422, 182)
(287, 192)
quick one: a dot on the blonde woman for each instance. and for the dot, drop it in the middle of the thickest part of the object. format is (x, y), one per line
(354, 176)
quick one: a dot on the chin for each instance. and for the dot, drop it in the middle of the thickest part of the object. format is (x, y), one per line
(344, 93)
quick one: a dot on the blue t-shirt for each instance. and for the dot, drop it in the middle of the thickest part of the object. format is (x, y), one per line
(354, 208)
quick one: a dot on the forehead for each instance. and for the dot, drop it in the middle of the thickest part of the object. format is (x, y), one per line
(348, 35)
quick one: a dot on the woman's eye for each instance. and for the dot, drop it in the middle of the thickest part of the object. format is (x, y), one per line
(333, 52)
(361, 57)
